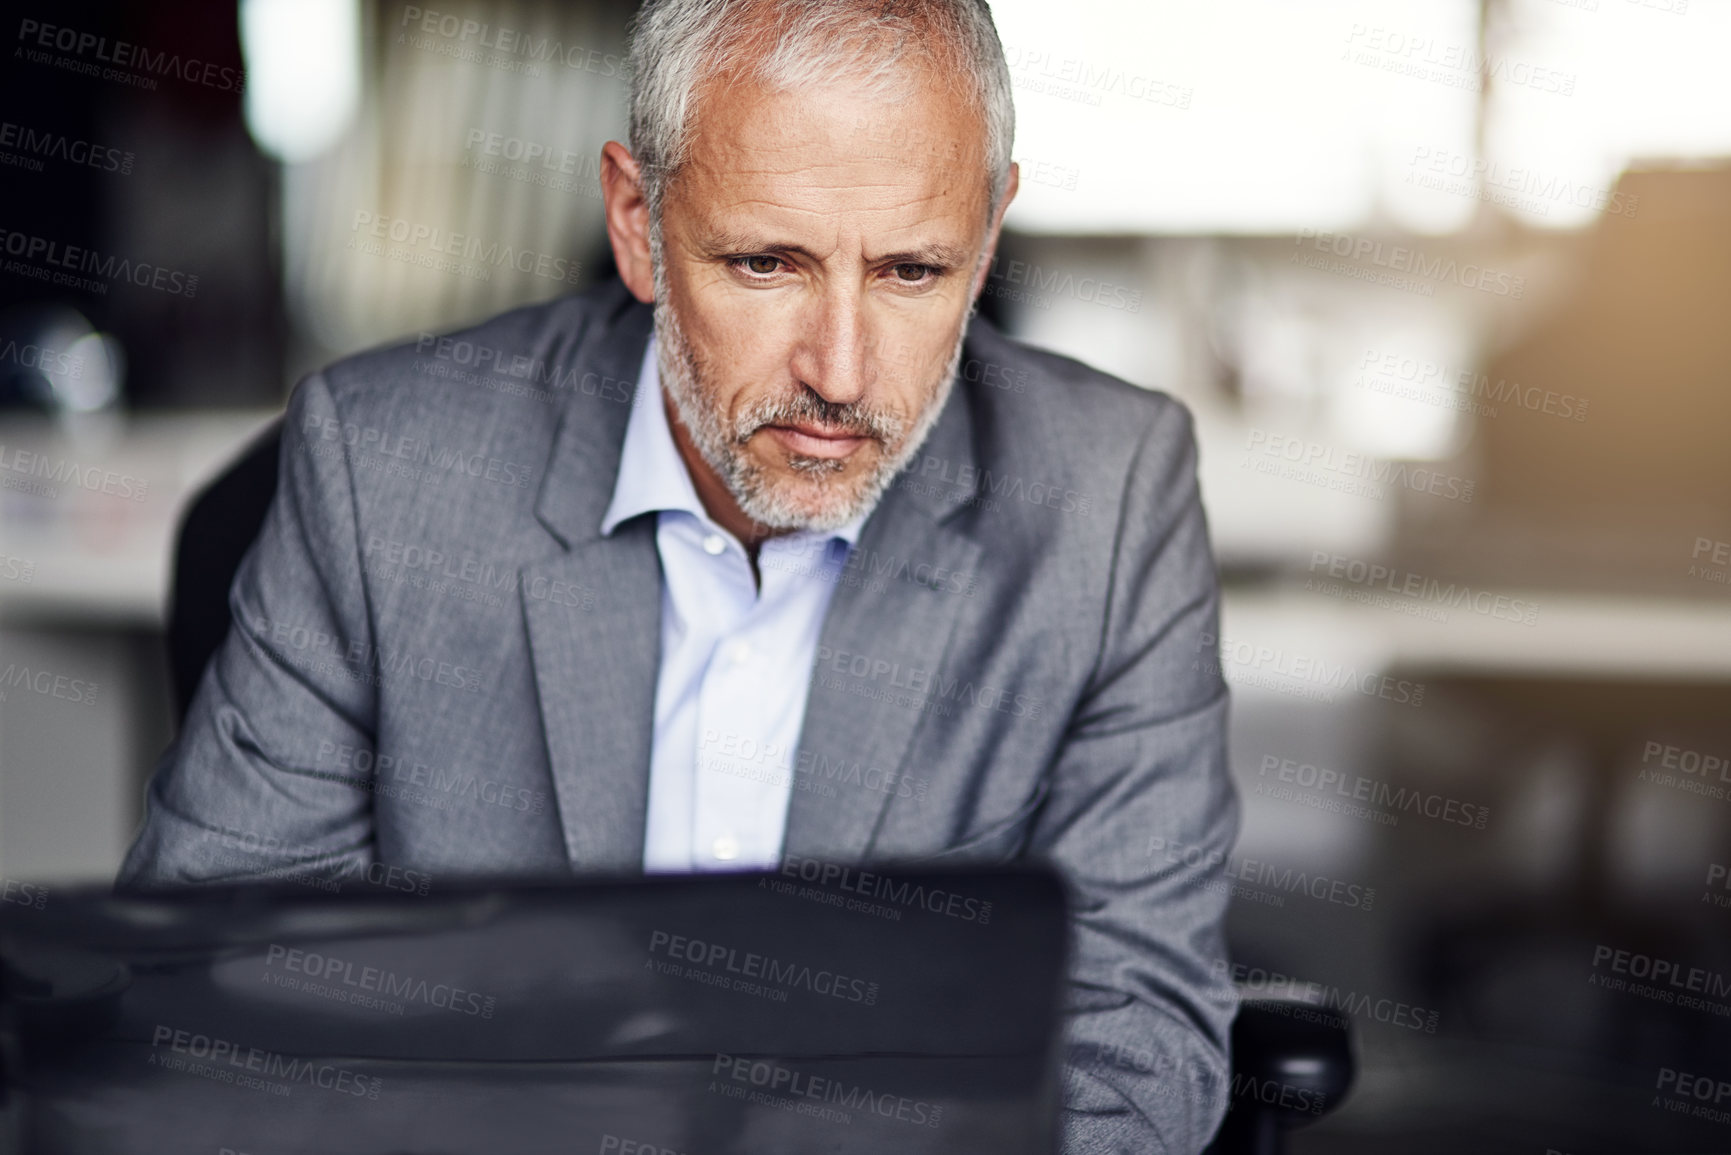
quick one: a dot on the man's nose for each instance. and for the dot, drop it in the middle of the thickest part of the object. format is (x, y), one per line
(831, 359)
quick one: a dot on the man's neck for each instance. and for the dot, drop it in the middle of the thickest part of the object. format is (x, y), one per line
(712, 491)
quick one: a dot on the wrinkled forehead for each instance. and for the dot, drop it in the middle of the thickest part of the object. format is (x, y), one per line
(838, 142)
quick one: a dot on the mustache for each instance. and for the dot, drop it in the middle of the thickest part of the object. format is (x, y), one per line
(853, 419)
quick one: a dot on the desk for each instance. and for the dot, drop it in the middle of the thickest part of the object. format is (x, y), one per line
(1615, 672)
(93, 516)
(87, 525)
(1572, 635)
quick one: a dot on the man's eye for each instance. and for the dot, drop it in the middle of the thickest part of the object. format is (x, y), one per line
(912, 273)
(763, 266)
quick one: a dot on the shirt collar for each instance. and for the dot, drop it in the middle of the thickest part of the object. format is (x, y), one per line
(652, 475)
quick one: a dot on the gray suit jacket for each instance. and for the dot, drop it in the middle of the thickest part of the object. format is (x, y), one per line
(438, 666)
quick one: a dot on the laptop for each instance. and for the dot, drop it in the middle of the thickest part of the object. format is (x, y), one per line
(816, 1009)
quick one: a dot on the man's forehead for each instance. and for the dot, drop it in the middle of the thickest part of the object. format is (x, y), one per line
(779, 157)
(936, 228)
(923, 117)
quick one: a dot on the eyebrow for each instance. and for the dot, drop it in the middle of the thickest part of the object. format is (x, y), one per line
(936, 253)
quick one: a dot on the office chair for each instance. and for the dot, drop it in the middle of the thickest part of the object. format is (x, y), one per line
(219, 527)
(1289, 1066)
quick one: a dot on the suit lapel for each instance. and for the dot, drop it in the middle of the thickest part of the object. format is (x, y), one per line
(594, 620)
(899, 621)
(851, 740)
(593, 613)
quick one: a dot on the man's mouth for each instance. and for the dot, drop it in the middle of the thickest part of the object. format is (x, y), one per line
(809, 440)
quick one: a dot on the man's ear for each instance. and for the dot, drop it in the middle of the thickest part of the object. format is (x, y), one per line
(627, 220)
(991, 249)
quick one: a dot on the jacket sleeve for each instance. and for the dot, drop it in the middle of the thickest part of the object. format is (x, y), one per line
(254, 787)
(1140, 816)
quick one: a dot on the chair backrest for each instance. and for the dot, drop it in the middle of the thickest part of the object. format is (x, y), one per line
(220, 525)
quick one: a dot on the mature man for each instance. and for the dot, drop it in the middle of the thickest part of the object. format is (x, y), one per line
(853, 578)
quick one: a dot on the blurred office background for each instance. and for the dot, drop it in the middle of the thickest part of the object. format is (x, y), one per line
(1443, 281)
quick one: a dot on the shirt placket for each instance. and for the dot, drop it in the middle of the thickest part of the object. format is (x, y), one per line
(739, 790)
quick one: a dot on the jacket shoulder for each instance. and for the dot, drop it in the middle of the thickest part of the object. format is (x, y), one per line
(1044, 411)
(516, 361)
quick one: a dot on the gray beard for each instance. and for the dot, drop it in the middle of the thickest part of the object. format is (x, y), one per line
(761, 496)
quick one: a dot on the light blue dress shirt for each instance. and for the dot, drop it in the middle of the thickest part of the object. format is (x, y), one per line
(736, 660)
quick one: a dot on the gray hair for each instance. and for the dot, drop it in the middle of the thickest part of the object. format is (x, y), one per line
(676, 45)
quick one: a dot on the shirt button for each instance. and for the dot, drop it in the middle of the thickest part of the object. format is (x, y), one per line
(714, 545)
(726, 848)
(739, 653)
